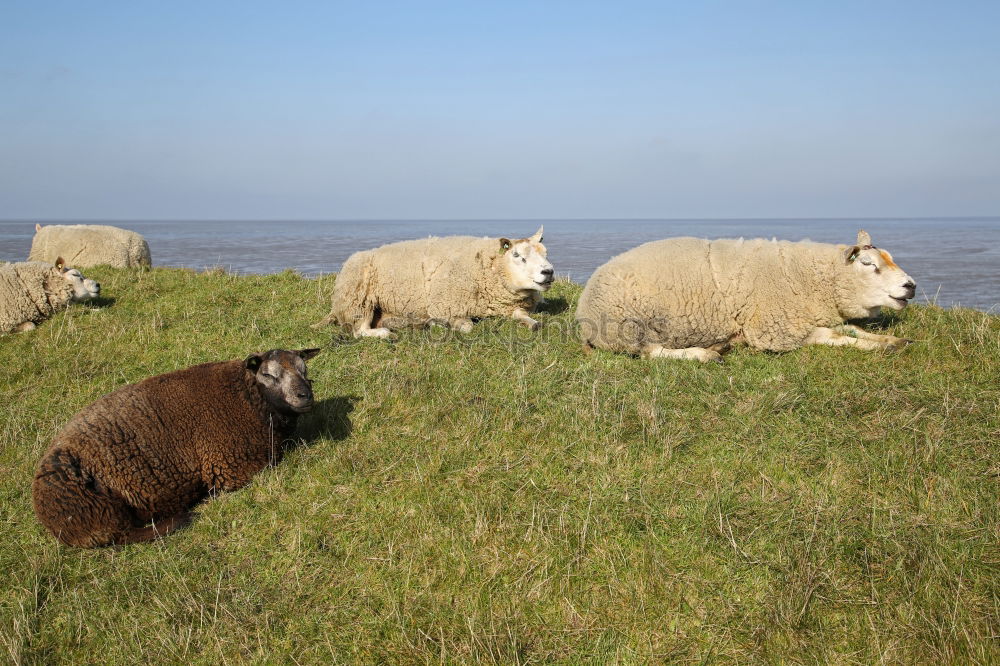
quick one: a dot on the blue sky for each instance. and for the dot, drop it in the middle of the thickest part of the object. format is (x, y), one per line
(338, 110)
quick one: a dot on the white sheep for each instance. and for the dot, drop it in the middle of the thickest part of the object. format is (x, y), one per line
(448, 281)
(87, 245)
(691, 298)
(32, 291)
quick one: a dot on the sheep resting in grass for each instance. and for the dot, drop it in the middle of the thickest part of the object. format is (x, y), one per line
(32, 291)
(87, 245)
(691, 298)
(447, 281)
(129, 467)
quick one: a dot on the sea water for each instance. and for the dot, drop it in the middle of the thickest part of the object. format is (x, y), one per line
(954, 261)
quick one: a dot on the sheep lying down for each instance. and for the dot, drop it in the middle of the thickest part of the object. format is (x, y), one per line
(90, 245)
(691, 298)
(129, 467)
(448, 281)
(32, 291)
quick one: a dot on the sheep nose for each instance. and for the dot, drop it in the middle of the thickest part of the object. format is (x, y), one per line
(547, 272)
(910, 284)
(97, 286)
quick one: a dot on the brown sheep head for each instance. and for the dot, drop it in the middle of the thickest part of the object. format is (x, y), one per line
(282, 378)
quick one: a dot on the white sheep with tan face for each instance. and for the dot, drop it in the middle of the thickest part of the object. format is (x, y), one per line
(449, 281)
(32, 291)
(691, 298)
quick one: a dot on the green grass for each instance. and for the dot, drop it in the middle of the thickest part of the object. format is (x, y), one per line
(502, 497)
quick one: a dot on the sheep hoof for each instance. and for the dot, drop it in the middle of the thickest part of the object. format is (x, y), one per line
(712, 356)
(897, 343)
(532, 324)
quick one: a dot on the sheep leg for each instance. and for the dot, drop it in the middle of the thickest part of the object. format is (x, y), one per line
(653, 350)
(521, 316)
(461, 324)
(363, 328)
(891, 341)
(870, 341)
(367, 331)
(155, 531)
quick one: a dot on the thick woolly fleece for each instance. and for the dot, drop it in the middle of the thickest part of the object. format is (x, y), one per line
(149, 451)
(691, 292)
(31, 291)
(416, 281)
(84, 245)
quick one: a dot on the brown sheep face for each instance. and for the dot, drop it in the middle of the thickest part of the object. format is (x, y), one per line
(282, 378)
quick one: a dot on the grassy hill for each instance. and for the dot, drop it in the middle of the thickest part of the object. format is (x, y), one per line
(503, 497)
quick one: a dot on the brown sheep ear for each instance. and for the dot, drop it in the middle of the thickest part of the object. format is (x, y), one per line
(504, 245)
(60, 264)
(306, 354)
(852, 253)
(252, 362)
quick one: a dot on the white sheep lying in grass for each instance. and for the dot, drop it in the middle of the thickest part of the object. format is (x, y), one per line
(692, 298)
(32, 291)
(448, 281)
(87, 245)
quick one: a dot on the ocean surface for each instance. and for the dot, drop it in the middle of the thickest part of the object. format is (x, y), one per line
(954, 261)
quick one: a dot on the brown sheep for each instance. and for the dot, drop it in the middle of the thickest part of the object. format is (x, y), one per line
(147, 452)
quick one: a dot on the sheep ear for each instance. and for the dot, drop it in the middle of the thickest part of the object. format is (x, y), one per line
(306, 354)
(60, 264)
(504, 245)
(864, 238)
(537, 238)
(851, 254)
(38, 227)
(252, 362)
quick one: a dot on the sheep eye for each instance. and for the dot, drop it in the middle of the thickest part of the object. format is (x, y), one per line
(269, 376)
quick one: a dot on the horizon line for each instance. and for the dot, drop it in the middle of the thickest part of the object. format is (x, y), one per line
(55, 220)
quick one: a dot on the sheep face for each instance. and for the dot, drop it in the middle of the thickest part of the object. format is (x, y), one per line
(281, 376)
(877, 281)
(524, 264)
(83, 289)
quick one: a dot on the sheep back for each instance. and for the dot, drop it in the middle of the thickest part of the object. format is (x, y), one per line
(85, 245)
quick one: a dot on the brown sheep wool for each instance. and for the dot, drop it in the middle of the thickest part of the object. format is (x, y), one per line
(148, 452)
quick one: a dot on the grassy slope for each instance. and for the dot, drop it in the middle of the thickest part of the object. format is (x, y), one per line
(504, 497)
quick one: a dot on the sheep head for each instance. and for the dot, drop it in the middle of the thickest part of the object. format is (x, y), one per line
(874, 281)
(282, 378)
(83, 289)
(524, 263)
